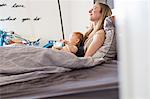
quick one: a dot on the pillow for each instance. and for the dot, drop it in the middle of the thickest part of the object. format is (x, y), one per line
(108, 49)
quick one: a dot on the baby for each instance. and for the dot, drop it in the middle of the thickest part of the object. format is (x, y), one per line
(73, 43)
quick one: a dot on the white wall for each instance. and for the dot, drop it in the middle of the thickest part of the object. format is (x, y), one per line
(133, 29)
(74, 13)
(48, 27)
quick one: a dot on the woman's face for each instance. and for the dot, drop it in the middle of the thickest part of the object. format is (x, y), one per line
(95, 12)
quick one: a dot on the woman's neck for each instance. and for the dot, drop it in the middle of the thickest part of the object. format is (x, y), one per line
(94, 30)
(94, 24)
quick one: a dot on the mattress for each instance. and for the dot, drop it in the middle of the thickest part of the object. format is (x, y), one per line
(101, 77)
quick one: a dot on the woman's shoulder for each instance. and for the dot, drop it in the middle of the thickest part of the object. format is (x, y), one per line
(99, 33)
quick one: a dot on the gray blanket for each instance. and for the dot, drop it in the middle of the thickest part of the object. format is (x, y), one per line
(18, 64)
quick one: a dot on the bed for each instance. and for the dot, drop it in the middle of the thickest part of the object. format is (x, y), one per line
(99, 82)
(31, 73)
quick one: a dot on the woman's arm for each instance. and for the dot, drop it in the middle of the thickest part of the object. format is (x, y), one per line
(97, 42)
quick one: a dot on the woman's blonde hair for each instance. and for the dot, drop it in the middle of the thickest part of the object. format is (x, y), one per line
(105, 12)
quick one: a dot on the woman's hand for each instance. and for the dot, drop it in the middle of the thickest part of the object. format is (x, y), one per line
(97, 42)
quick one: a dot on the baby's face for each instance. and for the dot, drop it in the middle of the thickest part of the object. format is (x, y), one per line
(73, 38)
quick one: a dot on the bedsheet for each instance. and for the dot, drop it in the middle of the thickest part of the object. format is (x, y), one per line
(100, 77)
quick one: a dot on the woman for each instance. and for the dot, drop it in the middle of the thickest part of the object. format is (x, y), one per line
(95, 36)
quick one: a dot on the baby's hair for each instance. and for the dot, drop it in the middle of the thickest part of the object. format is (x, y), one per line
(80, 36)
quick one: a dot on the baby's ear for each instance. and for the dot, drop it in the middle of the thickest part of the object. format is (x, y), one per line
(77, 40)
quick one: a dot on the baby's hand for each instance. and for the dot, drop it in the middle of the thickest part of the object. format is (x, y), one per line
(64, 41)
(56, 48)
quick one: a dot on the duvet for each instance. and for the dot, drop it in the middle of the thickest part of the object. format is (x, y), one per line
(19, 64)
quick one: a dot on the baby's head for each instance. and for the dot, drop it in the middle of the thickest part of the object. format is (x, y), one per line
(76, 38)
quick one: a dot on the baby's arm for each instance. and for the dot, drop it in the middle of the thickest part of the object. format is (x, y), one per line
(70, 48)
(56, 48)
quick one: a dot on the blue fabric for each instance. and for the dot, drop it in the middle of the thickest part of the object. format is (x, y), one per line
(7, 38)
